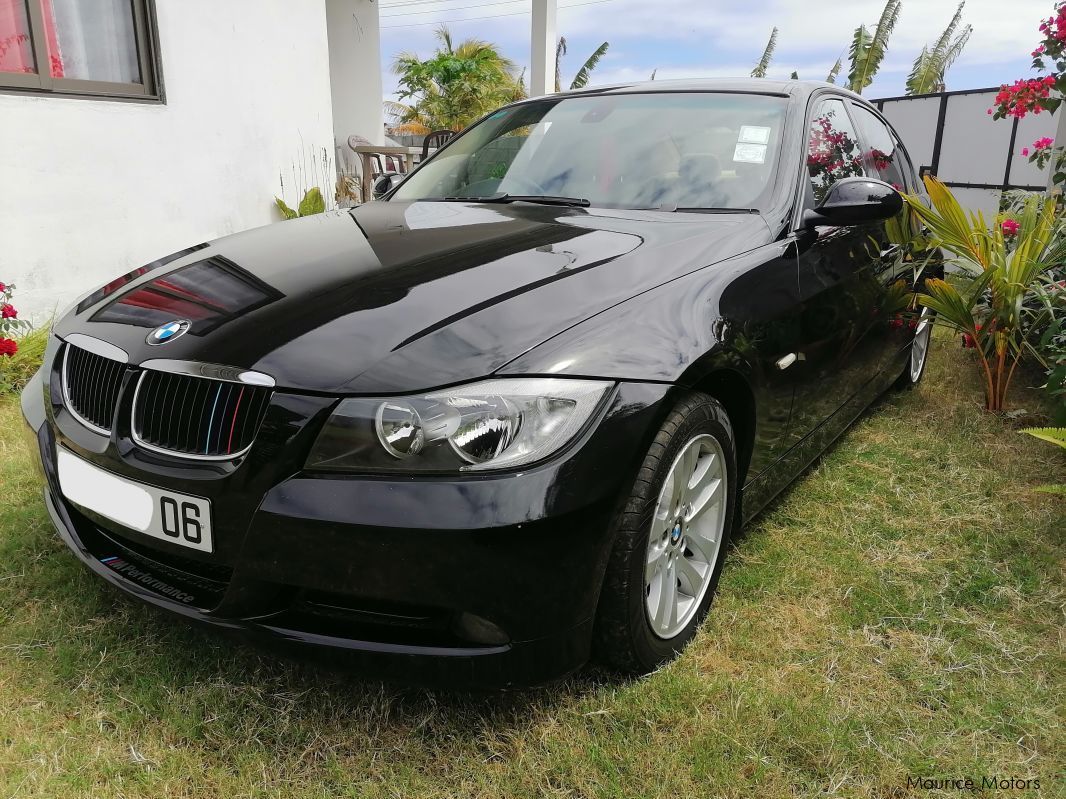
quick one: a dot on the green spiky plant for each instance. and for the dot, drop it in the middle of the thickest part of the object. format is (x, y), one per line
(933, 62)
(581, 79)
(766, 57)
(868, 49)
(988, 309)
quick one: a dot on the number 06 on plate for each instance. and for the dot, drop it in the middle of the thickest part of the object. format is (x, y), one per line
(167, 515)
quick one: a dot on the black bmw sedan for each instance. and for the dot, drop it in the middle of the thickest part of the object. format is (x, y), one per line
(508, 418)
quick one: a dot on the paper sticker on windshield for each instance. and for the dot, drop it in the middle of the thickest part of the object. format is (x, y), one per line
(754, 134)
(750, 153)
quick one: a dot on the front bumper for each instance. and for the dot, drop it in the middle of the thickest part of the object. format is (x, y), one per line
(485, 581)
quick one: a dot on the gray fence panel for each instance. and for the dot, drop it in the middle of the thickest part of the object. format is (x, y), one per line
(915, 122)
(953, 133)
(1033, 127)
(975, 146)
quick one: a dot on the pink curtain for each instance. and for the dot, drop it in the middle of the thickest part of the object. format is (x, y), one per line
(16, 50)
(55, 55)
(16, 54)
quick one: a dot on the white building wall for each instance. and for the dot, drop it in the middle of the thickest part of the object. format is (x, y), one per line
(90, 189)
(355, 68)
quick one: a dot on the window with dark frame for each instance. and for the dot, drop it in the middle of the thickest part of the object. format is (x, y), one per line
(99, 48)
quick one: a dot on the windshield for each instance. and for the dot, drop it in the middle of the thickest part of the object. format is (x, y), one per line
(660, 150)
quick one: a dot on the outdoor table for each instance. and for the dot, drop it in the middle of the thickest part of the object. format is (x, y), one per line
(367, 151)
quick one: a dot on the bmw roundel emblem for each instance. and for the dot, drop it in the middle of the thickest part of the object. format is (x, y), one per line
(168, 332)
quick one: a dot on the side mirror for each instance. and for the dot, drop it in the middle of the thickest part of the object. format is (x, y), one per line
(383, 184)
(855, 201)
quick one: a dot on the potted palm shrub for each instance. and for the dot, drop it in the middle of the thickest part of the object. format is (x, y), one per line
(998, 266)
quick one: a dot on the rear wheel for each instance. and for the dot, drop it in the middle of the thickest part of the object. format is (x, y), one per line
(671, 539)
(919, 351)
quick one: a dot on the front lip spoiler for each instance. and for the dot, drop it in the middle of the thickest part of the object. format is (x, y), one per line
(519, 664)
(61, 520)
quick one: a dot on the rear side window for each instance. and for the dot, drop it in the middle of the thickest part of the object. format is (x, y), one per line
(884, 158)
(833, 149)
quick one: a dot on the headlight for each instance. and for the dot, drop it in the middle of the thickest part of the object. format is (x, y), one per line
(497, 424)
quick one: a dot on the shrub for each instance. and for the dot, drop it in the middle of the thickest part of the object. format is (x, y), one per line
(1003, 265)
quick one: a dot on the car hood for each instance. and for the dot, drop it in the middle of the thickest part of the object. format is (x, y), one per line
(397, 297)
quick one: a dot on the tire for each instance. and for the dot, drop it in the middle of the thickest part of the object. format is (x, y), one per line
(918, 352)
(634, 631)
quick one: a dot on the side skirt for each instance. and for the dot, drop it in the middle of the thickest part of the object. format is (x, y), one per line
(762, 489)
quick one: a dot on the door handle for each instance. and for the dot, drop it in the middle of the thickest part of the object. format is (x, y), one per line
(786, 361)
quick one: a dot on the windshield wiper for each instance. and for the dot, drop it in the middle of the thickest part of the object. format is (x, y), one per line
(543, 199)
(670, 208)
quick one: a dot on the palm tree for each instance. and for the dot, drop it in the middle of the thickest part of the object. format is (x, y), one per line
(767, 56)
(580, 80)
(932, 63)
(457, 85)
(834, 72)
(868, 50)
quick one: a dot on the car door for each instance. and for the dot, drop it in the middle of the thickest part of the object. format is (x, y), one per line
(886, 159)
(843, 278)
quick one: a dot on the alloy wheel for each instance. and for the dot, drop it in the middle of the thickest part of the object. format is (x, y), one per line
(920, 347)
(686, 535)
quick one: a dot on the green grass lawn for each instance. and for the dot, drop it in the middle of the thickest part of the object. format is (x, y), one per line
(899, 613)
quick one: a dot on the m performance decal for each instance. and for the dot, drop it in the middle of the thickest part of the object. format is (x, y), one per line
(131, 572)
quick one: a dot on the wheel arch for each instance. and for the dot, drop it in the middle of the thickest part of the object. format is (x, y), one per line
(732, 389)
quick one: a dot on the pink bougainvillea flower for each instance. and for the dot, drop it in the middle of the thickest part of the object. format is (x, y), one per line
(1023, 96)
(3, 286)
(1025, 151)
(1046, 141)
(1010, 227)
(8, 347)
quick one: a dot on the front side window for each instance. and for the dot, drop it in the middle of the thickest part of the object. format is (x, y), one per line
(89, 47)
(833, 150)
(883, 157)
(695, 150)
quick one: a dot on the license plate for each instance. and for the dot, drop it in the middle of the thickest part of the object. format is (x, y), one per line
(166, 515)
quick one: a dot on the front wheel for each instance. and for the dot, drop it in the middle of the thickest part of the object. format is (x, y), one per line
(671, 538)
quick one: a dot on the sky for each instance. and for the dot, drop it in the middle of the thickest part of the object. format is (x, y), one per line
(710, 38)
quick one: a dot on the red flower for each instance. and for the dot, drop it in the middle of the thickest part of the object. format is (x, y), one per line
(3, 286)
(1023, 96)
(1010, 227)
(8, 347)
(968, 342)
(7, 311)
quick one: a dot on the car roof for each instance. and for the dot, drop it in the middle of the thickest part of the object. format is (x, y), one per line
(784, 88)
